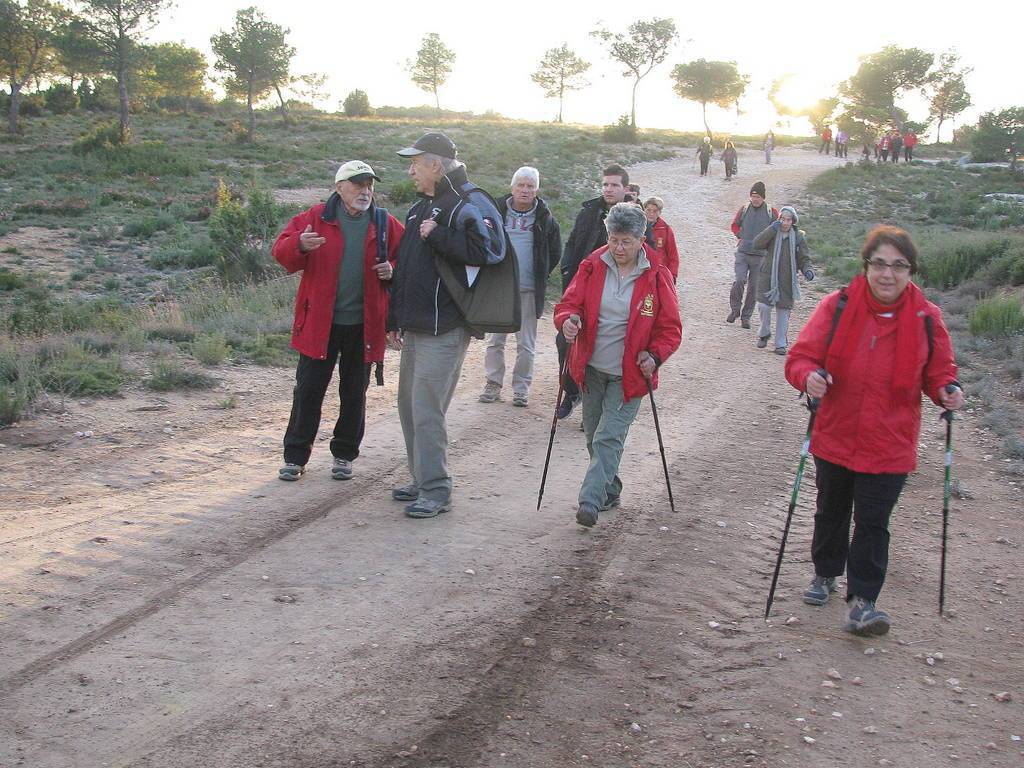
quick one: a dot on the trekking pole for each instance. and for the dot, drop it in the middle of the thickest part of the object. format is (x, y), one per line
(948, 416)
(554, 417)
(661, 445)
(812, 406)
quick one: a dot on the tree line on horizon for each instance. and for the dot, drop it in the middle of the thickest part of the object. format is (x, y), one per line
(100, 45)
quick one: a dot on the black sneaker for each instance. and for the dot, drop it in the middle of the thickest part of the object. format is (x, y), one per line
(586, 515)
(427, 508)
(611, 502)
(745, 324)
(762, 342)
(732, 317)
(565, 408)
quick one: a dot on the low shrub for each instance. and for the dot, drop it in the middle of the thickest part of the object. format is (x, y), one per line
(103, 135)
(61, 99)
(148, 158)
(997, 316)
(210, 349)
(147, 226)
(622, 132)
(173, 333)
(10, 281)
(401, 192)
(75, 371)
(170, 375)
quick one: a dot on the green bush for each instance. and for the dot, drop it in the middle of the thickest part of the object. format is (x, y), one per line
(77, 371)
(104, 135)
(401, 192)
(623, 132)
(170, 375)
(173, 333)
(147, 226)
(241, 235)
(148, 158)
(9, 281)
(19, 382)
(31, 105)
(357, 104)
(210, 349)
(61, 99)
(997, 316)
(948, 259)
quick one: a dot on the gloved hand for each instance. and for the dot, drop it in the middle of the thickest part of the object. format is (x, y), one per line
(808, 275)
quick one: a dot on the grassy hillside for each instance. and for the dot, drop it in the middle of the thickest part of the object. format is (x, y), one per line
(972, 263)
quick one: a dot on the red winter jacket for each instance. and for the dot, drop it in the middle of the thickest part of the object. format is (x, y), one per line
(826, 135)
(858, 426)
(665, 246)
(314, 301)
(654, 323)
(910, 140)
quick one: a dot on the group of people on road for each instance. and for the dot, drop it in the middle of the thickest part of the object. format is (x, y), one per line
(890, 143)
(370, 280)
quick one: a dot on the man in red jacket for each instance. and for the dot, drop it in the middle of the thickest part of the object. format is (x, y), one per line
(345, 249)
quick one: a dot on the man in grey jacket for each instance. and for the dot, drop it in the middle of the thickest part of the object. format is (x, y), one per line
(748, 223)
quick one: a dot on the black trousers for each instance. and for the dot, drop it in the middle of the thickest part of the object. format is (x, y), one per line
(345, 347)
(869, 499)
(571, 388)
(908, 153)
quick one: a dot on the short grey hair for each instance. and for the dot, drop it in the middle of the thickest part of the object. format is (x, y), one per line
(626, 219)
(528, 172)
(448, 164)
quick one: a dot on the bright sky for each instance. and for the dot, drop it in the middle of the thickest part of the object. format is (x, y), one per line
(365, 45)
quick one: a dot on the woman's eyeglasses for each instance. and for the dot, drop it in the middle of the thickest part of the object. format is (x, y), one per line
(880, 265)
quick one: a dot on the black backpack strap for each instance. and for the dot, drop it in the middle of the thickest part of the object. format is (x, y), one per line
(840, 306)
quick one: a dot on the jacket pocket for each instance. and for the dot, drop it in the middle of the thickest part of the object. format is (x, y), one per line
(300, 317)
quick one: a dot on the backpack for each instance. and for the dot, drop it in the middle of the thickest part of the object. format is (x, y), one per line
(488, 296)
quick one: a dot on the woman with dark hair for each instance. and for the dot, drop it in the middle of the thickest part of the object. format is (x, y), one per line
(868, 353)
(620, 314)
(730, 157)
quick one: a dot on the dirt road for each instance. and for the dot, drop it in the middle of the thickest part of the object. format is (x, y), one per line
(166, 601)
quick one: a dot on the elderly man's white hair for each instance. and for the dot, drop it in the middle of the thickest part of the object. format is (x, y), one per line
(527, 172)
(448, 164)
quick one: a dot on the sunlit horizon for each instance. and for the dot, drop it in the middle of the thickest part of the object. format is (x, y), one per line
(356, 47)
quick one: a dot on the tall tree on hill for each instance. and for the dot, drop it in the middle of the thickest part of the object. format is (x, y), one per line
(27, 31)
(77, 56)
(255, 56)
(948, 91)
(883, 76)
(709, 82)
(559, 71)
(641, 48)
(432, 65)
(115, 28)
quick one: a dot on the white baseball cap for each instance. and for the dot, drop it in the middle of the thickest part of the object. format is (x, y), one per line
(355, 170)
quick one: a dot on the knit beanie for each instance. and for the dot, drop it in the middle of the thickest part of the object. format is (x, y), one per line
(758, 188)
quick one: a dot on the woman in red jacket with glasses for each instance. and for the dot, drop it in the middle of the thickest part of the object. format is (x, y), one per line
(868, 352)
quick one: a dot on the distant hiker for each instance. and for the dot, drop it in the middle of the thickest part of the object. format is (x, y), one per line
(660, 236)
(629, 325)
(455, 222)
(842, 138)
(588, 234)
(748, 223)
(633, 193)
(777, 284)
(883, 146)
(909, 142)
(826, 140)
(888, 346)
(769, 145)
(704, 152)
(345, 249)
(730, 158)
(538, 246)
(895, 146)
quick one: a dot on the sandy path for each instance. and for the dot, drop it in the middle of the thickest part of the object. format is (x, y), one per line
(139, 571)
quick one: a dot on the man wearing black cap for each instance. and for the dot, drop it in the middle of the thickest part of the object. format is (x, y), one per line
(340, 309)
(748, 223)
(455, 221)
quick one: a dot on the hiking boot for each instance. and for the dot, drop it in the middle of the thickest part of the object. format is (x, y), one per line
(762, 342)
(819, 590)
(491, 393)
(341, 469)
(780, 350)
(611, 502)
(291, 472)
(586, 515)
(745, 324)
(732, 317)
(427, 508)
(409, 492)
(866, 620)
(566, 406)
(520, 399)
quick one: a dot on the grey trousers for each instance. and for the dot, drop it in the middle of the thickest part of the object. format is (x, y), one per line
(526, 347)
(606, 421)
(746, 268)
(427, 375)
(781, 324)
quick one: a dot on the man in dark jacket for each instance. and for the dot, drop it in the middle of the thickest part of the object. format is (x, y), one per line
(455, 222)
(537, 242)
(340, 309)
(588, 234)
(748, 223)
